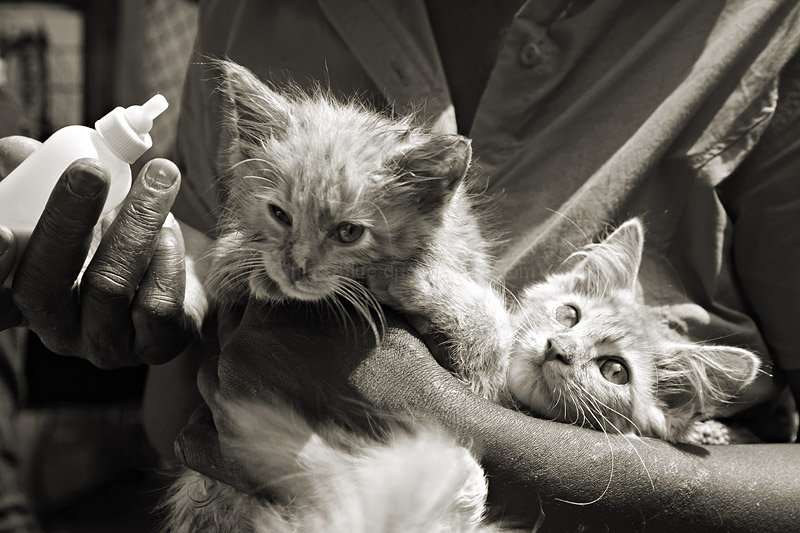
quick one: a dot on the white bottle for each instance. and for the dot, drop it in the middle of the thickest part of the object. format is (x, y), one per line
(119, 139)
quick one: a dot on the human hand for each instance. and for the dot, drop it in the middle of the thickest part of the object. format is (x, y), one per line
(293, 354)
(9, 314)
(128, 307)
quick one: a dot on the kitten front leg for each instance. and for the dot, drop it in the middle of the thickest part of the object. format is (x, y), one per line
(467, 316)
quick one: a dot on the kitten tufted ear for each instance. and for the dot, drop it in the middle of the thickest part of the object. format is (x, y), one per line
(434, 168)
(699, 379)
(253, 111)
(613, 264)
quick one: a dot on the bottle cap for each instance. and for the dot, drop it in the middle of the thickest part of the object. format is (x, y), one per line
(126, 130)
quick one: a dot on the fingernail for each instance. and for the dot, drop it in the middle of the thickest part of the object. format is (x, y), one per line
(160, 175)
(85, 178)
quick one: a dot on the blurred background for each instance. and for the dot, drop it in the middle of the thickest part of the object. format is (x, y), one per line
(77, 445)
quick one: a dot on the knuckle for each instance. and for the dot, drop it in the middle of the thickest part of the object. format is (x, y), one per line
(65, 230)
(109, 283)
(159, 305)
(142, 215)
(48, 314)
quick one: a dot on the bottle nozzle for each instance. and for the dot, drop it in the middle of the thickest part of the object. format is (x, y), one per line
(140, 117)
(126, 129)
(156, 105)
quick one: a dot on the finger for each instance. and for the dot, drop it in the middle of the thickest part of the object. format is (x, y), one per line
(208, 381)
(112, 278)
(197, 446)
(13, 151)
(161, 327)
(43, 284)
(9, 314)
(8, 252)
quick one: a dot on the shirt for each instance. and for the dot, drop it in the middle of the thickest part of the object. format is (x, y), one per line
(593, 112)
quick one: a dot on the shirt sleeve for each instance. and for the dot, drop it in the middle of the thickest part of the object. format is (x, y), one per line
(763, 199)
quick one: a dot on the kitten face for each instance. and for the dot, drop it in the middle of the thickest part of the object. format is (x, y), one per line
(322, 193)
(583, 359)
(588, 353)
(309, 235)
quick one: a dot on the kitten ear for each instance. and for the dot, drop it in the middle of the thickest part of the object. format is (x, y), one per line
(613, 264)
(698, 380)
(253, 110)
(434, 168)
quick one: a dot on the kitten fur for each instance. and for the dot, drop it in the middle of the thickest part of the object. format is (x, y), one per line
(329, 479)
(302, 171)
(588, 352)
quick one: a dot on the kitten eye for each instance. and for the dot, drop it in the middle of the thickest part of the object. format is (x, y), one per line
(567, 315)
(614, 370)
(347, 232)
(280, 215)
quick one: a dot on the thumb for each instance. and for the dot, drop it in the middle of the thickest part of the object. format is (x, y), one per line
(8, 252)
(9, 314)
(197, 446)
(13, 151)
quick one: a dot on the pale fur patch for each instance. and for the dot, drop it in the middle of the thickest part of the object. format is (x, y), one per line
(414, 481)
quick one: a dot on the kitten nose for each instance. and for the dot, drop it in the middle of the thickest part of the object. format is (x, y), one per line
(557, 348)
(294, 271)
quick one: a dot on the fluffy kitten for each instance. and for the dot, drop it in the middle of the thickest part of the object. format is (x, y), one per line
(329, 479)
(326, 202)
(329, 201)
(588, 352)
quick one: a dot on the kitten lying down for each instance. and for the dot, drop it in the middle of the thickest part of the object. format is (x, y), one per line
(329, 201)
(587, 352)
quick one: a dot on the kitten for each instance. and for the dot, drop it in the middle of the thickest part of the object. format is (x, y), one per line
(588, 352)
(328, 201)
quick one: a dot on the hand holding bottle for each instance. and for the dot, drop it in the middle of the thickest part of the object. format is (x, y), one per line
(129, 305)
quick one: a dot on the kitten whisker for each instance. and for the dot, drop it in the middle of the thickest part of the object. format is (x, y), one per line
(342, 316)
(599, 404)
(385, 222)
(586, 238)
(593, 399)
(364, 303)
(610, 475)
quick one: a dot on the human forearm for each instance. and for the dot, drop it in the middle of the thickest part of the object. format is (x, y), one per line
(625, 484)
(620, 482)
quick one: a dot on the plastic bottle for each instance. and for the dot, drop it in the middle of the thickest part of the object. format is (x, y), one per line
(117, 140)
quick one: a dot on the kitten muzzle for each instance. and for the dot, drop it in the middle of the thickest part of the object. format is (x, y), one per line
(560, 348)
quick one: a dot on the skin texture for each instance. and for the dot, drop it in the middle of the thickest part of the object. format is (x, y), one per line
(532, 464)
(129, 306)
